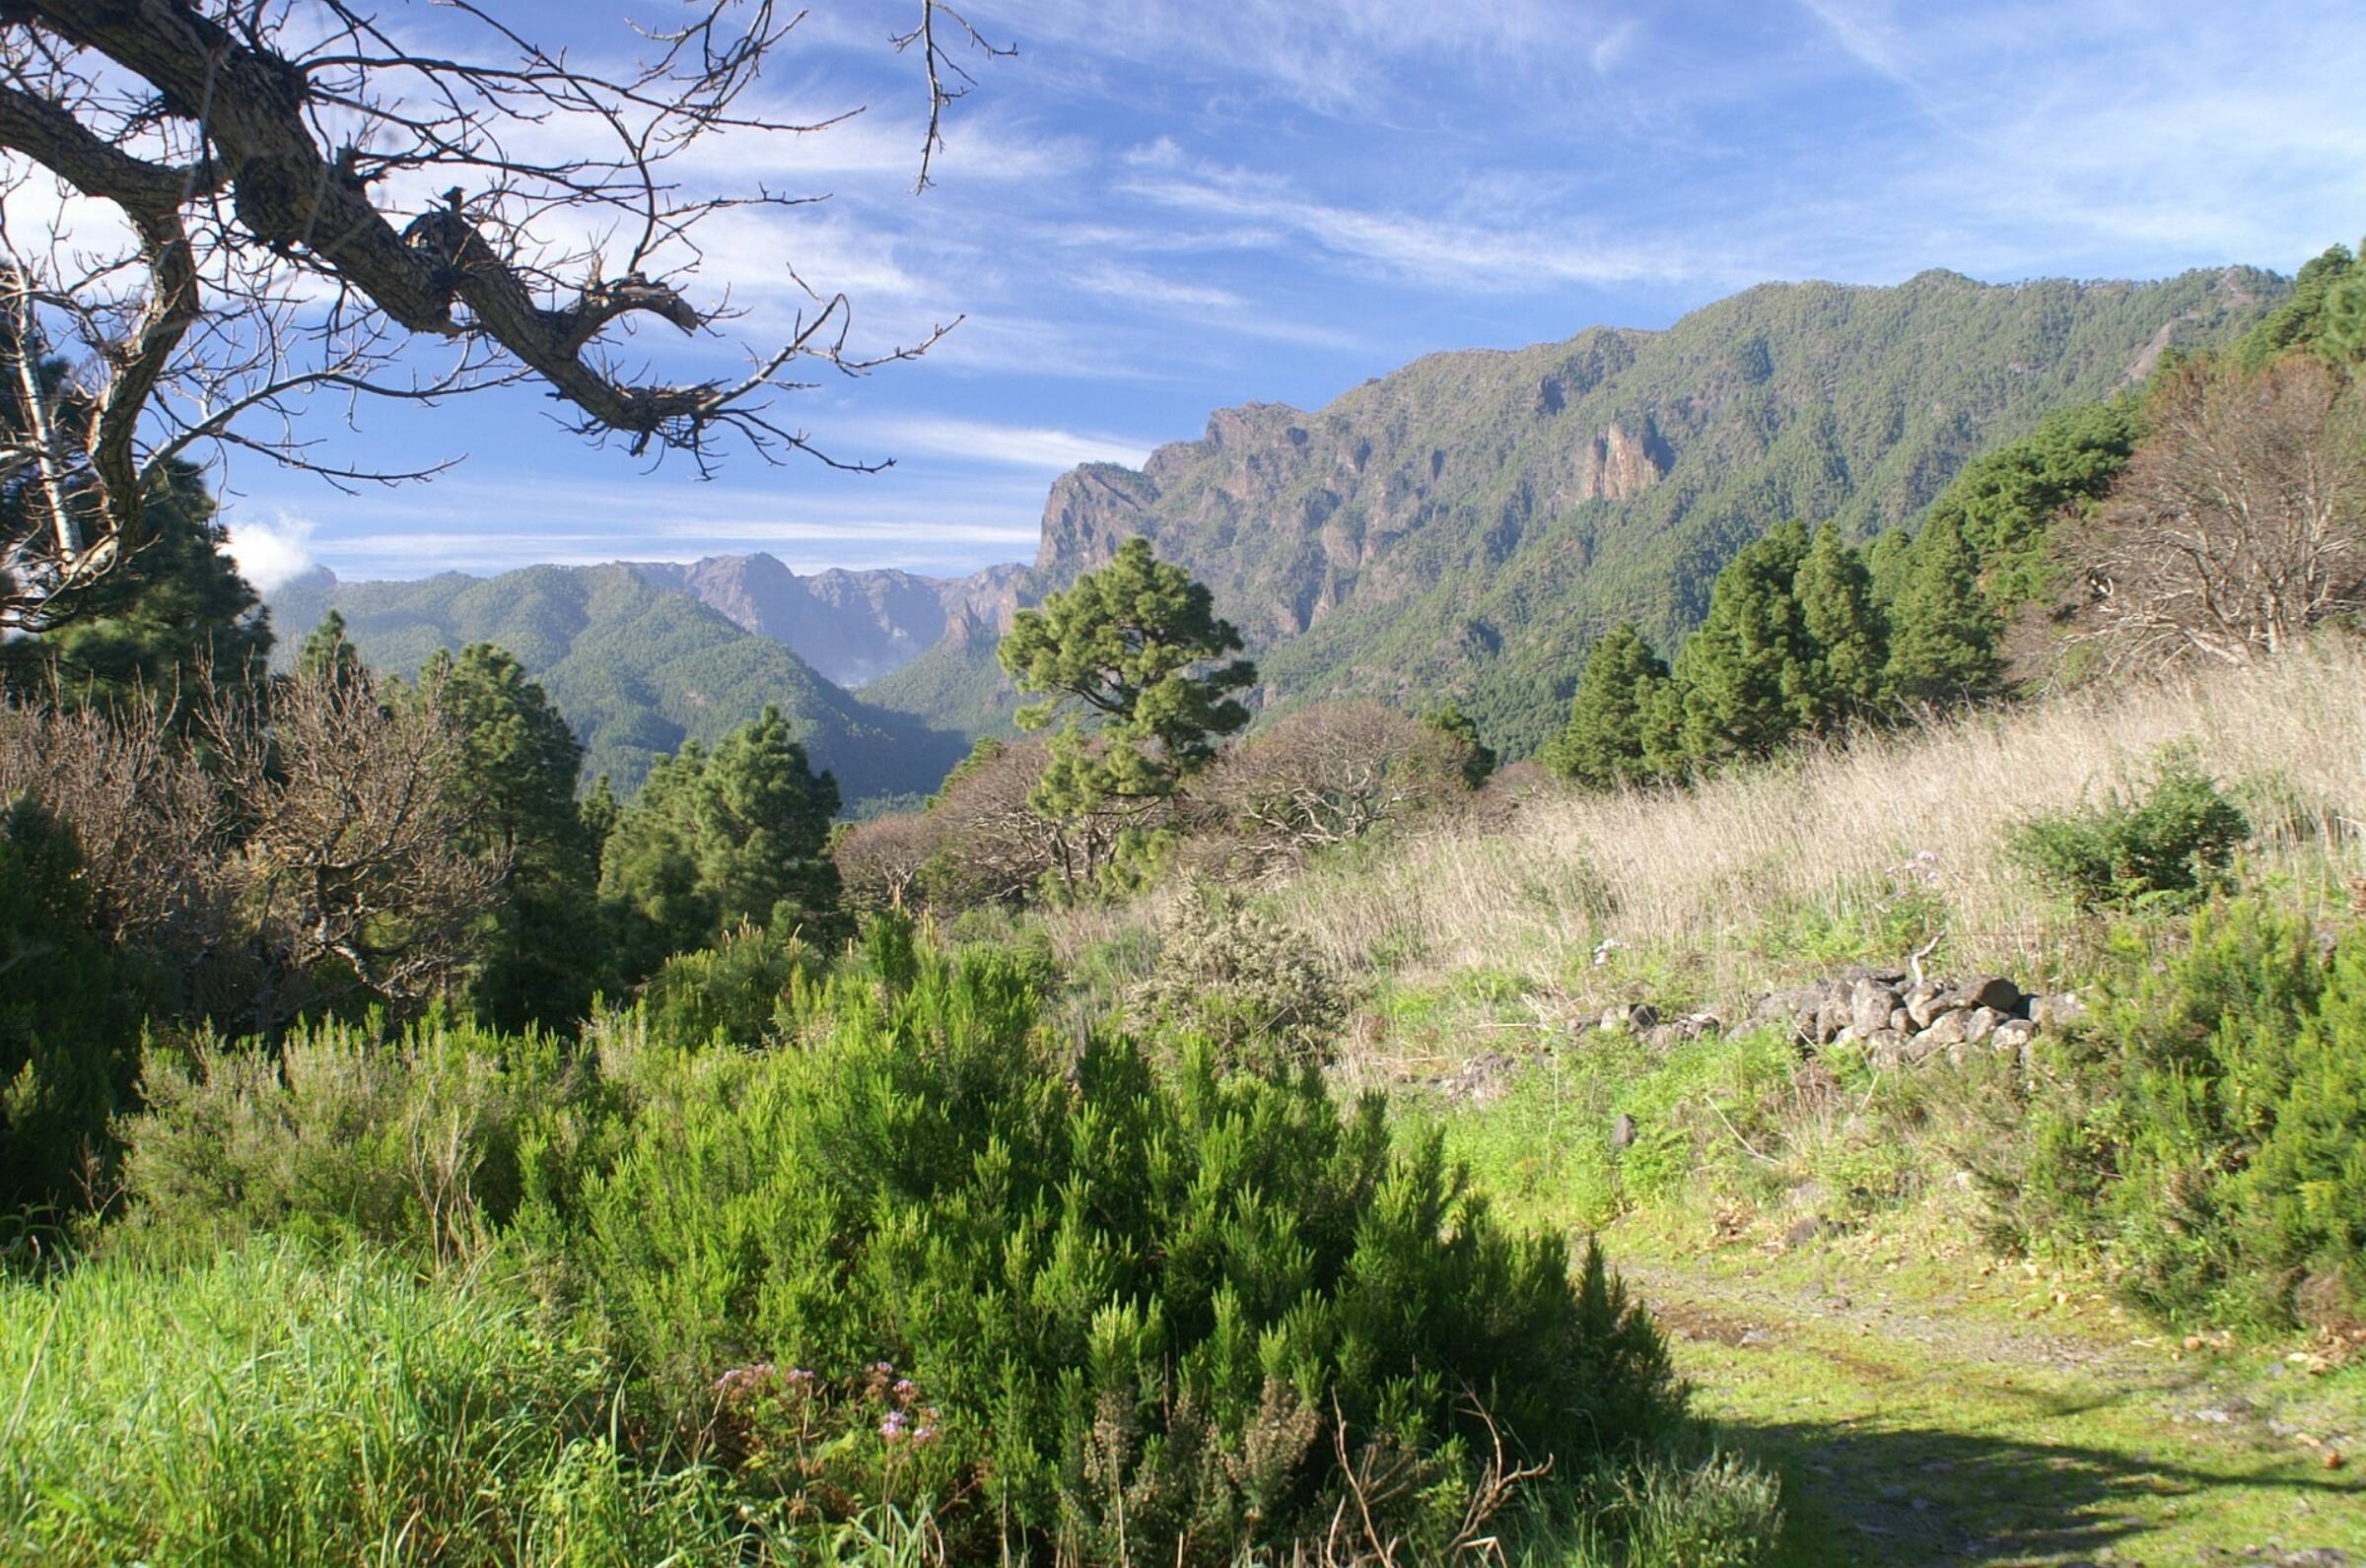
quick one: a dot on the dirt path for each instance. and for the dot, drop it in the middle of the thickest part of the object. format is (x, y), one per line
(1923, 1411)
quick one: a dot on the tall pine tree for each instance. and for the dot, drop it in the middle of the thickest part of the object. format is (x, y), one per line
(1844, 677)
(718, 839)
(1607, 740)
(1943, 636)
(1748, 671)
(540, 963)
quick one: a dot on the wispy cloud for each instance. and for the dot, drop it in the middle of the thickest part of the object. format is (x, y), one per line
(1135, 286)
(1009, 446)
(1465, 254)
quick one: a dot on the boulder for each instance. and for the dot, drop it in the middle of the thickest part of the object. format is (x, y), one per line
(1926, 1001)
(1950, 1028)
(1622, 1020)
(1871, 1003)
(1902, 1020)
(1890, 1049)
(1622, 1134)
(1692, 1026)
(1980, 1023)
(2014, 1034)
(1991, 992)
(2057, 1010)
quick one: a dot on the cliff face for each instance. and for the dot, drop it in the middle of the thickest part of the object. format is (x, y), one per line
(1467, 524)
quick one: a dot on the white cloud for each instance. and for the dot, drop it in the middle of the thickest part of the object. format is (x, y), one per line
(1615, 45)
(1468, 254)
(271, 553)
(1010, 446)
(1135, 286)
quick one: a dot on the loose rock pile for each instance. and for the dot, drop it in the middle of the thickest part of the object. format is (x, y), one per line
(1902, 1022)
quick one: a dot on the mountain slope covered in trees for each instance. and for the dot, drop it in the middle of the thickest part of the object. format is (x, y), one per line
(1469, 524)
(636, 668)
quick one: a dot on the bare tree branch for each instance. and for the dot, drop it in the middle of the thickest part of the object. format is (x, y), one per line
(267, 165)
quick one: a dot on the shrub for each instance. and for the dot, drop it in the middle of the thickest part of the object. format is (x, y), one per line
(728, 992)
(1249, 985)
(1136, 1307)
(2207, 1136)
(425, 1144)
(2171, 845)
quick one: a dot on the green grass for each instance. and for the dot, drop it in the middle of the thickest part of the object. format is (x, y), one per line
(260, 1407)
(1919, 1397)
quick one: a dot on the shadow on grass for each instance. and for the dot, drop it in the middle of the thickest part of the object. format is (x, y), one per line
(1896, 1495)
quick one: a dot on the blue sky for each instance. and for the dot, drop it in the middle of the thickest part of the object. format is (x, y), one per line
(1161, 207)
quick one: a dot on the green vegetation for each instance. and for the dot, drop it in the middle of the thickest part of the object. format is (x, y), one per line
(638, 670)
(2206, 1139)
(2173, 843)
(1176, 1142)
(721, 839)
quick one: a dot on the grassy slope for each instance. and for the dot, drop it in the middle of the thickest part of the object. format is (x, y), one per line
(1814, 1248)
(636, 669)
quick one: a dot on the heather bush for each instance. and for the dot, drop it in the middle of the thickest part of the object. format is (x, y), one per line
(728, 991)
(1249, 986)
(1129, 1303)
(2208, 1135)
(426, 1143)
(2171, 844)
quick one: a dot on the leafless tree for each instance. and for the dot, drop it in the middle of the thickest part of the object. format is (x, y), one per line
(351, 866)
(220, 212)
(1322, 776)
(152, 827)
(881, 862)
(2238, 523)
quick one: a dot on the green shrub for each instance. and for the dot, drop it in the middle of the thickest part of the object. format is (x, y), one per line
(2208, 1135)
(728, 992)
(1138, 1305)
(2171, 846)
(426, 1143)
(1253, 989)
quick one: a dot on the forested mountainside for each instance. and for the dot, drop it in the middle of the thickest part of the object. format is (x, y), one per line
(851, 625)
(636, 669)
(1466, 525)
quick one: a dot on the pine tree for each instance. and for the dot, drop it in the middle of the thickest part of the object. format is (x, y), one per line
(1122, 645)
(1748, 671)
(718, 839)
(1477, 756)
(1606, 742)
(1943, 636)
(328, 651)
(540, 961)
(70, 1009)
(142, 632)
(1835, 591)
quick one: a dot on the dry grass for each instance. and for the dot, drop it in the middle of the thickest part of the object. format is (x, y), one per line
(1700, 878)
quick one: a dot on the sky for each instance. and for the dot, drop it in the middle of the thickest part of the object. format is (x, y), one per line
(1156, 208)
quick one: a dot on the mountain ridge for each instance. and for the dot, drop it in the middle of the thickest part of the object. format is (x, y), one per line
(1464, 526)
